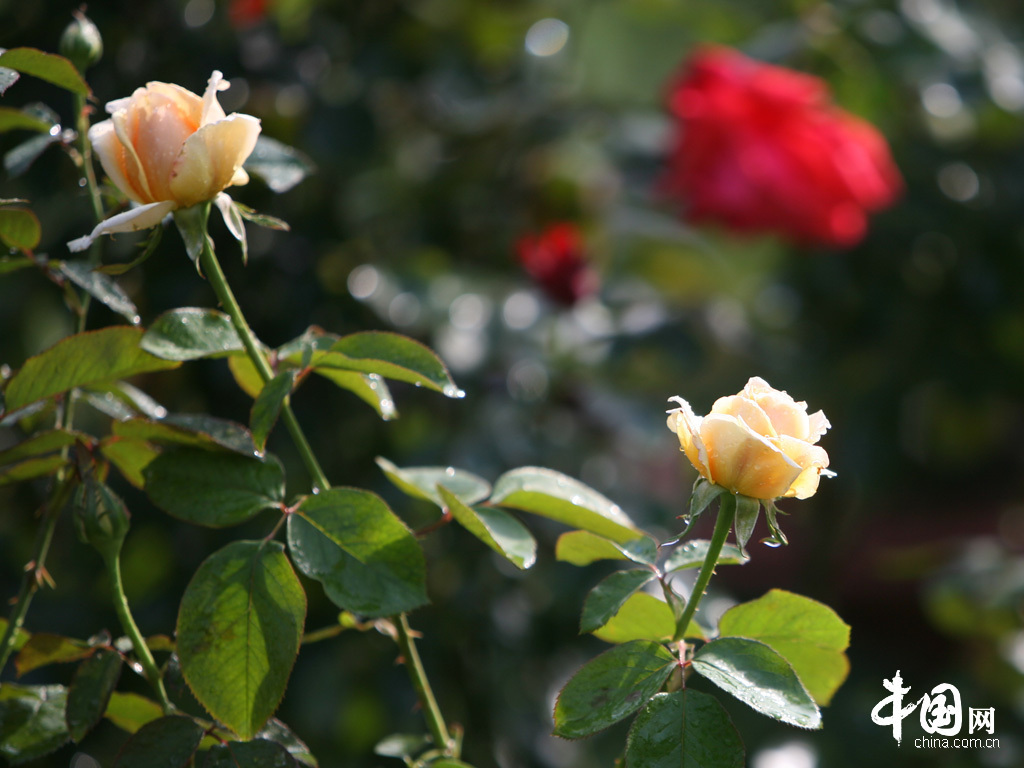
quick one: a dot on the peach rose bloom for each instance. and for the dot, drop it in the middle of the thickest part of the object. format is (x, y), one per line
(167, 148)
(758, 443)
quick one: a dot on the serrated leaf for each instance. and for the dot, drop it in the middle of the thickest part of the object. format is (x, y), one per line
(31, 721)
(583, 548)
(390, 355)
(130, 711)
(213, 489)
(12, 119)
(368, 387)
(747, 511)
(191, 333)
(168, 742)
(100, 287)
(267, 407)
(190, 430)
(130, 457)
(366, 558)
(422, 482)
(691, 554)
(610, 687)
(249, 754)
(559, 497)
(19, 229)
(808, 634)
(44, 648)
(42, 443)
(279, 165)
(90, 691)
(605, 600)
(20, 159)
(643, 617)
(46, 66)
(684, 729)
(86, 358)
(239, 628)
(759, 677)
(494, 527)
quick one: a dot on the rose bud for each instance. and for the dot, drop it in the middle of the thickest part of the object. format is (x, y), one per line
(760, 148)
(556, 261)
(166, 148)
(81, 42)
(758, 443)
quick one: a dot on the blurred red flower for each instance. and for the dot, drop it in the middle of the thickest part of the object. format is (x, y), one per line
(760, 148)
(246, 13)
(556, 261)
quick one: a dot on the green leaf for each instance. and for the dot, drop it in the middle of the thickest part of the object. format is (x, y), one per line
(759, 677)
(130, 711)
(168, 742)
(422, 482)
(246, 375)
(8, 77)
(191, 333)
(684, 729)
(605, 600)
(277, 731)
(610, 687)
(148, 249)
(390, 355)
(86, 358)
(42, 443)
(20, 159)
(366, 558)
(584, 548)
(239, 628)
(44, 648)
(267, 407)
(14, 264)
(12, 119)
(20, 635)
(559, 497)
(190, 430)
(642, 617)
(494, 527)
(368, 387)
(808, 634)
(90, 692)
(31, 721)
(213, 489)
(46, 66)
(130, 457)
(704, 492)
(279, 165)
(261, 219)
(31, 469)
(19, 229)
(691, 554)
(100, 287)
(747, 511)
(249, 754)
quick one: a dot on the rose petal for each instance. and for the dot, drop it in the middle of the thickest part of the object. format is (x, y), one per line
(212, 110)
(812, 458)
(132, 220)
(686, 425)
(211, 156)
(817, 425)
(750, 412)
(111, 153)
(744, 461)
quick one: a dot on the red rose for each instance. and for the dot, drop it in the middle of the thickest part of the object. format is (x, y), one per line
(556, 262)
(760, 148)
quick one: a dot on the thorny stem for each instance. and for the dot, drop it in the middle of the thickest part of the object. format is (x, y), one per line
(212, 269)
(726, 511)
(124, 614)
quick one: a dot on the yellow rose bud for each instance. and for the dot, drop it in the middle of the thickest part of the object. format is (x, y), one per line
(167, 148)
(758, 443)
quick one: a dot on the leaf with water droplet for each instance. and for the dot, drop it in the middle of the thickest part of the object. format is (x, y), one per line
(90, 692)
(583, 548)
(684, 729)
(191, 333)
(494, 527)
(422, 482)
(691, 554)
(605, 600)
(99, 286)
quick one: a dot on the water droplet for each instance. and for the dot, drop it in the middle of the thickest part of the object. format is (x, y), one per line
(258, 454)
(577, 500)
(136, 319)
(316, 489)
(82, 182)
(772, 543)
(417, 384)
(160, 412)
(55, 131)
(685, 519)
(450, 471)
(450, 390)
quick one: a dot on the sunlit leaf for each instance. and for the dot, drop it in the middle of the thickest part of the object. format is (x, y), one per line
(42, 443)
(494, 527)
(44, 648)
(583, 548)
(191, 333)
(643, 617)
(190, 430)
(19, 229)
(130, 711)
(422, 482)
(691, 554)
(46, 66)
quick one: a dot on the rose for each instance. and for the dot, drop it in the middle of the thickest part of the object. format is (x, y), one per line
(556, 261)
(758, 443)
(759, 148)
(166, 148)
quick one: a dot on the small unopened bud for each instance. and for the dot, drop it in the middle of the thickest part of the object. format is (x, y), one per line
(101, 517)
(81, 42)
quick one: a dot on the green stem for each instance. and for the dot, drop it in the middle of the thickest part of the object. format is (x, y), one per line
(214, 273)
(124, 614)
(726, 512)
(31, 578)
(432, 713)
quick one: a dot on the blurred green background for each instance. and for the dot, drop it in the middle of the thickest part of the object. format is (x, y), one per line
(442, 131)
